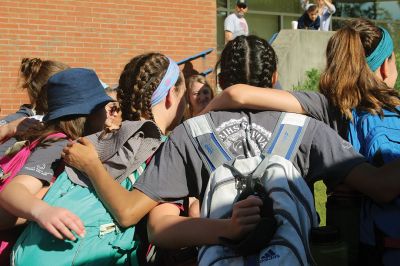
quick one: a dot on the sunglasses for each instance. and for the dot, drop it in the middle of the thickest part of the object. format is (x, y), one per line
(240, 5)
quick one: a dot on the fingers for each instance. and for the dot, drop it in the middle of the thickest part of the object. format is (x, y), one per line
(52, 230)
(64, 231)
(249, 202)
(75, 224)
(85, 142)
(61, 227)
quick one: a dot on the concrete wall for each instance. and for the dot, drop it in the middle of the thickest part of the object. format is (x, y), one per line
(99, 34)
(299, 51)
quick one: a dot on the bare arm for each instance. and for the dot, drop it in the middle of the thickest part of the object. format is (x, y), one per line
(18, 198)
(250, 97)
(331, 7)
(381, 184)
(169, 230)
(127, 207)
(228, 36)
(16, 127)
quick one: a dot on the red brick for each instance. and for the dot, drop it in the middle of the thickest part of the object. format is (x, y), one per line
(99, 34)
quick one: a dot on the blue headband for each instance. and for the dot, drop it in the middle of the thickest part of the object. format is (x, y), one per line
(169, 80)
(381, 52)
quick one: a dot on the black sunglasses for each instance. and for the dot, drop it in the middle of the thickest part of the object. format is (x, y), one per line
(241, 5)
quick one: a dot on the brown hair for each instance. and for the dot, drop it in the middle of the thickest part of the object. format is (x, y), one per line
(138, 81)
(347, 81)
(312, 8)
(72, 126)
(35, 73)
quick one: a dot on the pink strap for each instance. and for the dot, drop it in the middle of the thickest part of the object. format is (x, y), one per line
(12, 165)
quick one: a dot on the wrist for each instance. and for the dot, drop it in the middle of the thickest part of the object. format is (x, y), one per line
(36, 210)
(92, 169)
(228, 230)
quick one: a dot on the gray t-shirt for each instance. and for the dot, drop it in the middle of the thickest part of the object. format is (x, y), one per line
(317, 106)
(238, 26)
(177, 171)
(24, 111)
(44, 161)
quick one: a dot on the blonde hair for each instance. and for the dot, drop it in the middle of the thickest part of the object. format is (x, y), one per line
(347, 81)
(188, 113)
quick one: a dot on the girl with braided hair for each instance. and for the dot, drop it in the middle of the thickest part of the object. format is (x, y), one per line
(348, 82)
(357, 99)
(151, 88)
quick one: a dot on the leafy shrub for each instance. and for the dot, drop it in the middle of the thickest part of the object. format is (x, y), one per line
(311, 83)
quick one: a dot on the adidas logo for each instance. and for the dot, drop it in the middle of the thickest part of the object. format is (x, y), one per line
(269, 255)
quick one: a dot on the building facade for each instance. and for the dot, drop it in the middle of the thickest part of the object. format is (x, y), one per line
(266, 17)
(99, 34)
(105, 34)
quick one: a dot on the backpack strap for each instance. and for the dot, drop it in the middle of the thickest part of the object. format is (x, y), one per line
(287, 135)
(202, 133)
(285, 139)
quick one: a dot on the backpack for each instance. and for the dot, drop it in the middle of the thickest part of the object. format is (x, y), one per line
(378, 139)
(10, 165)
(105, 243)
(292, 201)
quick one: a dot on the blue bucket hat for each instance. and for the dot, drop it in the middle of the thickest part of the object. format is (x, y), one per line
(75, 91)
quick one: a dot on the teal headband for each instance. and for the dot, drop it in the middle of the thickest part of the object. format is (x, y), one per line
(381, 52)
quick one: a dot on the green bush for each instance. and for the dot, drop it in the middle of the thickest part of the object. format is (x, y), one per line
(397, 85)
(311, 83)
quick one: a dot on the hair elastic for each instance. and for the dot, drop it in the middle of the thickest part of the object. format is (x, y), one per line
(381, 52)
(169, 80)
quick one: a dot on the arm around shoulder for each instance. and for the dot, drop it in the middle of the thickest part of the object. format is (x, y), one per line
(381, 184)
(250, 97)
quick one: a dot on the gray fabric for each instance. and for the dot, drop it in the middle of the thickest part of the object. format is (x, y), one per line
(177, 171)
(123, 151)
(317, 106)
(238, 26)
(44, 161)
(24, 111)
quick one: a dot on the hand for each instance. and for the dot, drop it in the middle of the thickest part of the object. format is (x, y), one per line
(114, 117)
(81, 155)
(59, 222)
(245, 217)
(17, 127)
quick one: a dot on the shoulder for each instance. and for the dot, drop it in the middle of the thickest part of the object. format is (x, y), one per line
(24, 111)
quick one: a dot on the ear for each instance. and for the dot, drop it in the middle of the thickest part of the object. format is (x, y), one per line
(383, 69)
(274, 78)
(170, 98)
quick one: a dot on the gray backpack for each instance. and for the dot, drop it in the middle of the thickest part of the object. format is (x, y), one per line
(292, 200)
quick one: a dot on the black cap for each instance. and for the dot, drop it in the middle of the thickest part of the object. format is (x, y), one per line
(241, 3)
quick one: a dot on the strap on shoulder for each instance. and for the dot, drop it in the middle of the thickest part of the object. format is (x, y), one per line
(201, 130)
(287, 135)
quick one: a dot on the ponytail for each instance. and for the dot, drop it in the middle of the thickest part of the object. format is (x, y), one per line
(347, 81)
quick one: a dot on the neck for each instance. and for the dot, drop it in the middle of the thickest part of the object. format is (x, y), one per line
(160, 122)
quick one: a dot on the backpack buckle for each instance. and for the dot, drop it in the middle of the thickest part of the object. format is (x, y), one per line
(107, 228)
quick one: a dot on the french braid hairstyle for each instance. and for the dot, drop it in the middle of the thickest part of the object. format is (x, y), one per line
(247, 60)
(137, 83)
(34, 75)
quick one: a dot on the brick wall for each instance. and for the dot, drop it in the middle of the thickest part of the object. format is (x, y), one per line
(99, 34)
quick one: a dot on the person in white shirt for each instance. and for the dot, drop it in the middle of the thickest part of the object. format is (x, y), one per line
(235, 24)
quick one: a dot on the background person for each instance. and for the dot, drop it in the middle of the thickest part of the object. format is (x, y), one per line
(310, 19)
(325, 11)
(198, 94)
(235, 24)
